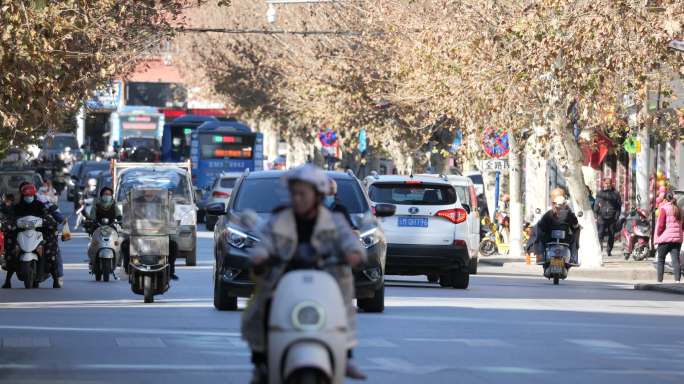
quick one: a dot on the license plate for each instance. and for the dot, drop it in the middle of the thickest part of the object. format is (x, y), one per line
(557, 262)
(407, 221)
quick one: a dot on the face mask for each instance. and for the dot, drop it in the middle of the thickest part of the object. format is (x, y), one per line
(29, 199)
(107, 199)
(329, 201)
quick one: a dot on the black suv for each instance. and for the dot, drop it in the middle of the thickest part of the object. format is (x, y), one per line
(262, 192)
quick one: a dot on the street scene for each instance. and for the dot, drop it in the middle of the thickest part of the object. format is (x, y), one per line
(327, 192)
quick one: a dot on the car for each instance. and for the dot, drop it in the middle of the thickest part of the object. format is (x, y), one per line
(11, 178)
(175, 177)
(467, 196)
(140, 149)
(262, 192)
(429, 234)
(57, 144)
(104, 179)
(83, 174)
(220, 189)
(71, 180)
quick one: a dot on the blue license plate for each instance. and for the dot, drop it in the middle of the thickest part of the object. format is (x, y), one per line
(407, 221)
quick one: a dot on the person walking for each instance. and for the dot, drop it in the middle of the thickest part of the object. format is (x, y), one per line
(607, 207)
(668, 237)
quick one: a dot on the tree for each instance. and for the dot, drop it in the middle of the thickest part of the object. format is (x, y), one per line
(52, 54)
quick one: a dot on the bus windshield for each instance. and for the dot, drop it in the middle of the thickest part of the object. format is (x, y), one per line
(226, 146)
(181, 140)
(139, 125)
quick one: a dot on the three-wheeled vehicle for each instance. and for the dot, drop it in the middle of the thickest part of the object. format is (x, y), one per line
(148, 219)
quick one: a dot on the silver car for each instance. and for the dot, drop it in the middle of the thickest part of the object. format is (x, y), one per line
(220, 192)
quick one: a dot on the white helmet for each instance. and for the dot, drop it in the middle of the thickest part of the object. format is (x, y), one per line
(310, 174)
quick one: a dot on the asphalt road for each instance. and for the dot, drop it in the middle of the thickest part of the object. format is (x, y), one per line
(504, 329)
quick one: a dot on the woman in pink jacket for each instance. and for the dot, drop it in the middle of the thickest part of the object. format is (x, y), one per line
(668, 236)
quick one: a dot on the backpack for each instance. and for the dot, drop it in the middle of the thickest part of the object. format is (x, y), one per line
(607, 211)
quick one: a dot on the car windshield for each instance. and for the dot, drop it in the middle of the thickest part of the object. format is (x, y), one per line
(61, 142)
(169, 179)
(258, 194)
(413, 194)
(136, 142)
(86, 168)
(463, 194)
(228, 182)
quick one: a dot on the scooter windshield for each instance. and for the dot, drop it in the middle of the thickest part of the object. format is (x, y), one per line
(149, 211)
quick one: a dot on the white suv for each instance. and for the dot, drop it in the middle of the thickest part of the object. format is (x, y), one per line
(429, 234)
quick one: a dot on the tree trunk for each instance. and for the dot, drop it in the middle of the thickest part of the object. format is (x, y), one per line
(516, 207)
(568, 157)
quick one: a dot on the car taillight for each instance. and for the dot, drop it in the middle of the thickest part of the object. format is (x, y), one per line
(220, 194)
(157, 157)
(456, 215)
(460, 243)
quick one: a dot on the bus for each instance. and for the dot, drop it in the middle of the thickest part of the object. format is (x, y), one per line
(224, 146)
(177, 137)
(135, 121)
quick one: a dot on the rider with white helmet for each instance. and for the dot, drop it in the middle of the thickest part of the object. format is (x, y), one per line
(306, 227)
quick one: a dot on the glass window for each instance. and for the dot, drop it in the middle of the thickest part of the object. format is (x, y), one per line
(161, 95)
(228, 182)
(261, 195)
(413, 194)
(350, 195)
(61, 142)
(171, 180)
(463, 194)
(477, 179)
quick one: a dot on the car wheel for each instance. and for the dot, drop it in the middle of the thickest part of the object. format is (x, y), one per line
(375, 304)
(190, 257)
(201, 217)
(460, 279)
(222, 301)
(473, 266)
(210, 222)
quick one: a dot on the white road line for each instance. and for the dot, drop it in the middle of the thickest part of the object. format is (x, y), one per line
(129, 303)
(25, 342)
(599, 344)
(134, 331)
(376, 343)
(128, 367)
(468, 342)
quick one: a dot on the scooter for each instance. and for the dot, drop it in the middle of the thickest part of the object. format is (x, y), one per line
(557, 257)
(636, 234)
(103, 250)
(33, 266)
(493, 242)
(308, 331)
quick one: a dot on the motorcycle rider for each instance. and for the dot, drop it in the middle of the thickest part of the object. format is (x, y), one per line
(30, 205)
(558, 217)
(608, 206)
(104, 208)
(305, 225)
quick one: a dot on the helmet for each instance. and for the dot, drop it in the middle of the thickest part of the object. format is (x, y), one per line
(310, 174)
(28, 189)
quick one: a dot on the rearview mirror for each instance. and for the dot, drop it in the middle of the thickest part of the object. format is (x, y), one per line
(466, 207)
(216, 209)
(385, 210)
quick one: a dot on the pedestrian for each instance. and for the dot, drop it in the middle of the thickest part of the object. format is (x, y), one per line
(668, 236)
(608, 206)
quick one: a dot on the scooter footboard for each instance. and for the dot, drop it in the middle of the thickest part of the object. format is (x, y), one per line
(307, 354)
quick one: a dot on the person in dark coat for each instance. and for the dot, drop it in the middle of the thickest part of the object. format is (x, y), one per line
(607, 208)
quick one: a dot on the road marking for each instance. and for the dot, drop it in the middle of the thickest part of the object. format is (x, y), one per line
(467, 342)
(139, 342)
(396, 365)
(133, 331)
(376, 343)
(174, 303)
(512, 370)
(599, 344)
(25, 342)
(128, 367)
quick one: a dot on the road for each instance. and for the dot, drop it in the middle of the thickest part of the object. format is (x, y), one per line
(504, 329)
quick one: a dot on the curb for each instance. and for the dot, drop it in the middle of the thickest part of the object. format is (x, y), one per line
(677, 289)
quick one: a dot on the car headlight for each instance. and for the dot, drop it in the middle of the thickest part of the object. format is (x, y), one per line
(308, 316)
(239, 239)
(370, 237)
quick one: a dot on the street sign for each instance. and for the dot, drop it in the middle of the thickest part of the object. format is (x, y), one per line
(495, 142)
(494, 165)
(677, 44)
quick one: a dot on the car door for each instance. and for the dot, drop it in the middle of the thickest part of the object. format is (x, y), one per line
(464, 197)
(474, 218)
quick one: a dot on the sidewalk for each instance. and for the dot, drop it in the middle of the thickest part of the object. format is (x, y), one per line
(624, 271)
(662, 287)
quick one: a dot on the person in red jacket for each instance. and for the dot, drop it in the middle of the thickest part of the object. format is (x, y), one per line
(668, 236)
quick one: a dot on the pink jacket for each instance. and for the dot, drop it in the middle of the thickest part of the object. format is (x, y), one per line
(668, 229)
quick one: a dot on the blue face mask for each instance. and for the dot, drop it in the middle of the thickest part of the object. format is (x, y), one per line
(328, 201)
(29, 199)
(106, 199)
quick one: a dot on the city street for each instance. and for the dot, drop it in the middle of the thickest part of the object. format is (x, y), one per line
(504, 329)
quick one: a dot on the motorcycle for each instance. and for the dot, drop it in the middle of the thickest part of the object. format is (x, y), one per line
(148, 217)
(33, 264)
(636, 234)
(557, 257)
(103, 250)
(308, 330)
(492, 242)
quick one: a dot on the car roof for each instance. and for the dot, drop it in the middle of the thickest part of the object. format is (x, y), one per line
(224, 126)
(277, 174)
(433, 179)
